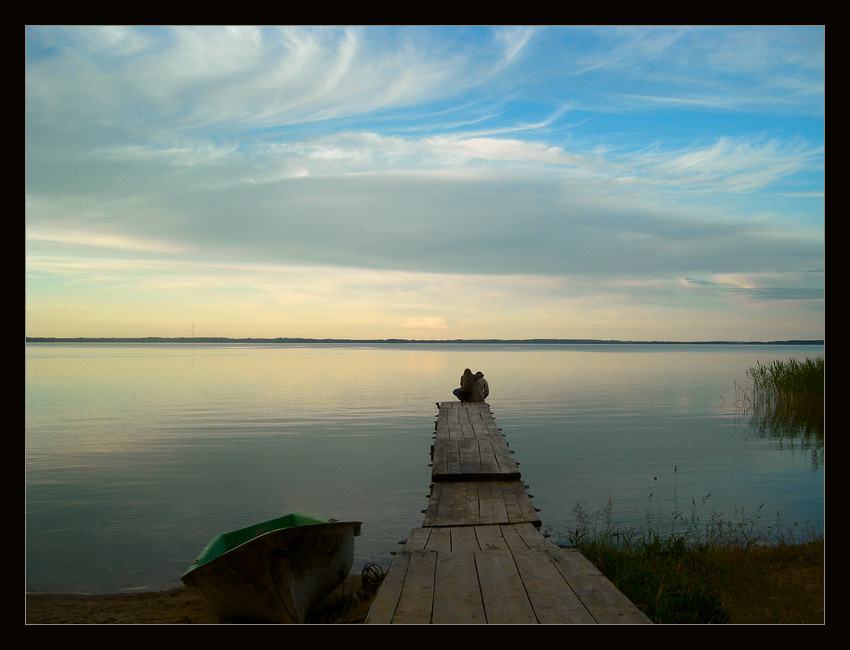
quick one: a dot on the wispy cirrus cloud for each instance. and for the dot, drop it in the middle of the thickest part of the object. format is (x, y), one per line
(580, 156)
(101, 240)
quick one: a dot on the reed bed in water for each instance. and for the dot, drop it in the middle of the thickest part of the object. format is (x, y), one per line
(786, 396)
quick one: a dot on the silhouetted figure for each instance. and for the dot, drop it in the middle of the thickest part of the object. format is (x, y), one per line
(473, 387)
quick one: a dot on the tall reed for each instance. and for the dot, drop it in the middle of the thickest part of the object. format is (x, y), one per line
(787, 397)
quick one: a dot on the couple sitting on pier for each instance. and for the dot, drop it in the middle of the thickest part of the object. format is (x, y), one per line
(473, 387)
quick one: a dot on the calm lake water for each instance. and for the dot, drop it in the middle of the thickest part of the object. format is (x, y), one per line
(137, 455)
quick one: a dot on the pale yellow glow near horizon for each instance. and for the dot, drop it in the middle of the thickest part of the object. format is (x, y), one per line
(457, 316)
(79, 296)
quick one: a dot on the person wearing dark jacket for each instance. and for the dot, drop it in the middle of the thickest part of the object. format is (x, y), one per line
(467, 382)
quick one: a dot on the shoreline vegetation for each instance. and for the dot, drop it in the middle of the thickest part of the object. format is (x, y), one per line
(682, 570)
(675, 578)
(281, 339)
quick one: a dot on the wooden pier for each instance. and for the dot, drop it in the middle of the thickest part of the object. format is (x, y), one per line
(479, 556)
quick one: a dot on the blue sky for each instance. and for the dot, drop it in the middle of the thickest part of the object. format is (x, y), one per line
(425, 182)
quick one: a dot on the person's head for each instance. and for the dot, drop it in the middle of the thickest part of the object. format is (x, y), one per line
(467, 371)
(479, 374)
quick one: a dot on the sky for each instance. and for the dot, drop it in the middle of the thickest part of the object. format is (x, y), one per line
(425, 182)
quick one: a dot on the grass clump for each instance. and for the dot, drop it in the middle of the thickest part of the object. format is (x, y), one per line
(719, 573)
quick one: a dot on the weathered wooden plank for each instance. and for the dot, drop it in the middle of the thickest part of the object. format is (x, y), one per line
(598, 594)
(459, 420)
(503, 457)
(467, 427)
(441, 505)
(529, 535)
(502, 591)
(464, 504)
(473, 459)
(384, 605)
(483, 421)
(470, 452)
(493, 510)
(454, 466)
(513, 506)
(464, 539)
(479, 418)
(419, 539)
(439, 508)
(440, 540)
(487, 458)
(516, 541)
(492, 428)
(515, 500)
(490, 538)
(468, 503)
(415, 602)
(456, 423)
(517, 504)
(441, 424)
(457, 596)
(551, 597)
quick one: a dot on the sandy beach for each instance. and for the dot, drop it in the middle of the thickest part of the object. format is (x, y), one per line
(179, 605)
(348, 604)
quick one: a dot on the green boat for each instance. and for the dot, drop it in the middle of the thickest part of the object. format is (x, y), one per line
(276, 570)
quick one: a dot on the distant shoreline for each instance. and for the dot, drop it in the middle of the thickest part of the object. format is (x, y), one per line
(221, 339)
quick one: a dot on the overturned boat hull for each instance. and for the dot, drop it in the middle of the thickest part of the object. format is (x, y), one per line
(274, 571)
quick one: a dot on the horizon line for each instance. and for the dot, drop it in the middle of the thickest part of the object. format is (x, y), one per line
(298, 339)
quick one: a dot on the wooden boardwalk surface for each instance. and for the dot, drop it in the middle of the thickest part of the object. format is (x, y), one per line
(479, 556)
